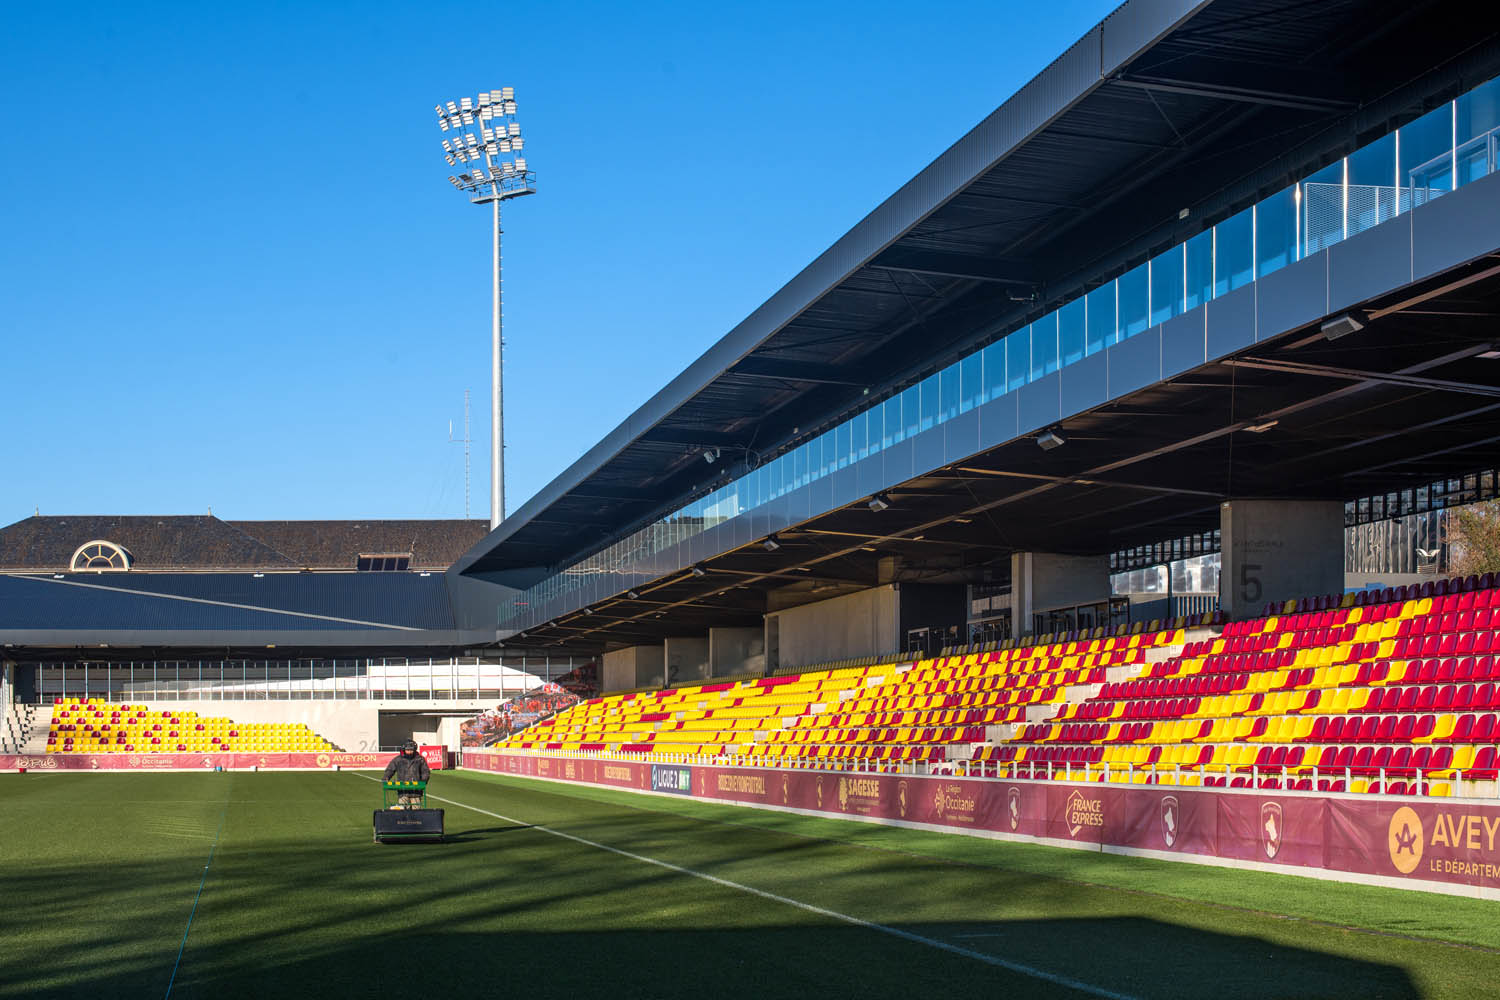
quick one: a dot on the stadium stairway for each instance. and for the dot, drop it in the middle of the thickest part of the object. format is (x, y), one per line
(25, 729)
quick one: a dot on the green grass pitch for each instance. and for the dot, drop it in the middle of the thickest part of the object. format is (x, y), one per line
(100, 873)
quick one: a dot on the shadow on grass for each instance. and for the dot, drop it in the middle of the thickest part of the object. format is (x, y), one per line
(498, 911)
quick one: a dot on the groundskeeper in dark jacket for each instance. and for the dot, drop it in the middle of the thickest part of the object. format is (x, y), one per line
(408, 765)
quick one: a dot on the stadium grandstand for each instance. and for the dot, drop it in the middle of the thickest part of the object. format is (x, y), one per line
(1120, 445)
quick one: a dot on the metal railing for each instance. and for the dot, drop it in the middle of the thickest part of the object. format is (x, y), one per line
(1419, 783)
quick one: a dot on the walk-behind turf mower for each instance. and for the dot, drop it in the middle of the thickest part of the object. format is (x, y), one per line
(404, 815)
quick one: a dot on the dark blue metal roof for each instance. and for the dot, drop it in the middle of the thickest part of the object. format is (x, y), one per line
(345, 602)
(1165, 117)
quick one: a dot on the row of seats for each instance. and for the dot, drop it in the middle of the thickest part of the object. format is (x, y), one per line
(841, 713)
(83, 725)
(1318, 692)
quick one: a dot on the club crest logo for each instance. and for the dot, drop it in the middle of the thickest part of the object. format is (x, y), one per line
(786, 789)
(1170, 811)
(939, 801)
(1404, 840)
(1013, 810)
(844, 793)
(323, 760)
(1271, 828)
(901, 797)
(818, 788)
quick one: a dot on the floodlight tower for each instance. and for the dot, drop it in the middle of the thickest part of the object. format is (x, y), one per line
(485, 128)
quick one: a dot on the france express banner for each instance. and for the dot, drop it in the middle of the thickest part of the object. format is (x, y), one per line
(1077, 811)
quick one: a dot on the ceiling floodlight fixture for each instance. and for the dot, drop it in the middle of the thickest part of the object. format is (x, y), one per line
(711, 455)
(1491, 354)
(503, 176)
(1342, 326)
(634, 595)
(1047, 440)
(1262, 428)
(880, 502)
(699, 571)
(771, 544)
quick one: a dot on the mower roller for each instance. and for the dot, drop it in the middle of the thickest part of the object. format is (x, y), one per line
(404, 815)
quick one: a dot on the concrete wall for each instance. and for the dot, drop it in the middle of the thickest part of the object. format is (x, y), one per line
(1275, 550)
(859, 624)
(632, 667)
(736, 651)
(1046, 581)
(353, 726)
(686, 659)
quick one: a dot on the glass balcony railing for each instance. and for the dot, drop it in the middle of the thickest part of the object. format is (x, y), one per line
(1448, 147)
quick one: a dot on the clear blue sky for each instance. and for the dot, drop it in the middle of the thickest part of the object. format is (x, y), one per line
(232, 273)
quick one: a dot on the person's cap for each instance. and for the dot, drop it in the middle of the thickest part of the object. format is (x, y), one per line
(409, 745)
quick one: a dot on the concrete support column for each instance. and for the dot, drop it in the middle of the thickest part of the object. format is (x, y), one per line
(1049, 581)
(686, 659)
(859, 624)
(736, 651)
(632, 667)
(1276, 550)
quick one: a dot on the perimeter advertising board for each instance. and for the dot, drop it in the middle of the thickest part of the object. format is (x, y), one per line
(1446, 844)
(189, 761)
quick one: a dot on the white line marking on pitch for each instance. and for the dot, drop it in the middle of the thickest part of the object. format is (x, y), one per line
(978, 956)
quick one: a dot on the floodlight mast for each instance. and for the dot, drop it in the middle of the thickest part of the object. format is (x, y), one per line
(505, 175)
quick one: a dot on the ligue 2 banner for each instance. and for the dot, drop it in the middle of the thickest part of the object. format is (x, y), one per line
(192, 761)
(1452, 842)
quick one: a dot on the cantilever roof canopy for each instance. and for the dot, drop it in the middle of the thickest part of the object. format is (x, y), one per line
(1165, 118)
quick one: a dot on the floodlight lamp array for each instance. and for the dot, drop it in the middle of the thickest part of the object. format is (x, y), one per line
(485, 130)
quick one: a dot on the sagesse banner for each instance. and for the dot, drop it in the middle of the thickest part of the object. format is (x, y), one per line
(189, 761)
(1449, 842)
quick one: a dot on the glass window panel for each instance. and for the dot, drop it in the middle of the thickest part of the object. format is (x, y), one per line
(1478, 116)
(970, 381)
(892, 432)
(1234, 252)
(859, 443)
(1427, 156)
(801, 457)
(911, 409)
(1101, 318)
(1275, 232)
(948, 393)
(1166, 285)
(1134, 301)
(1044, 346)
(1372, 186)
(1198, 256)
(994, 370)
(1322, 208)
(1018, 357)
(1070, 331)
(930, 403)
